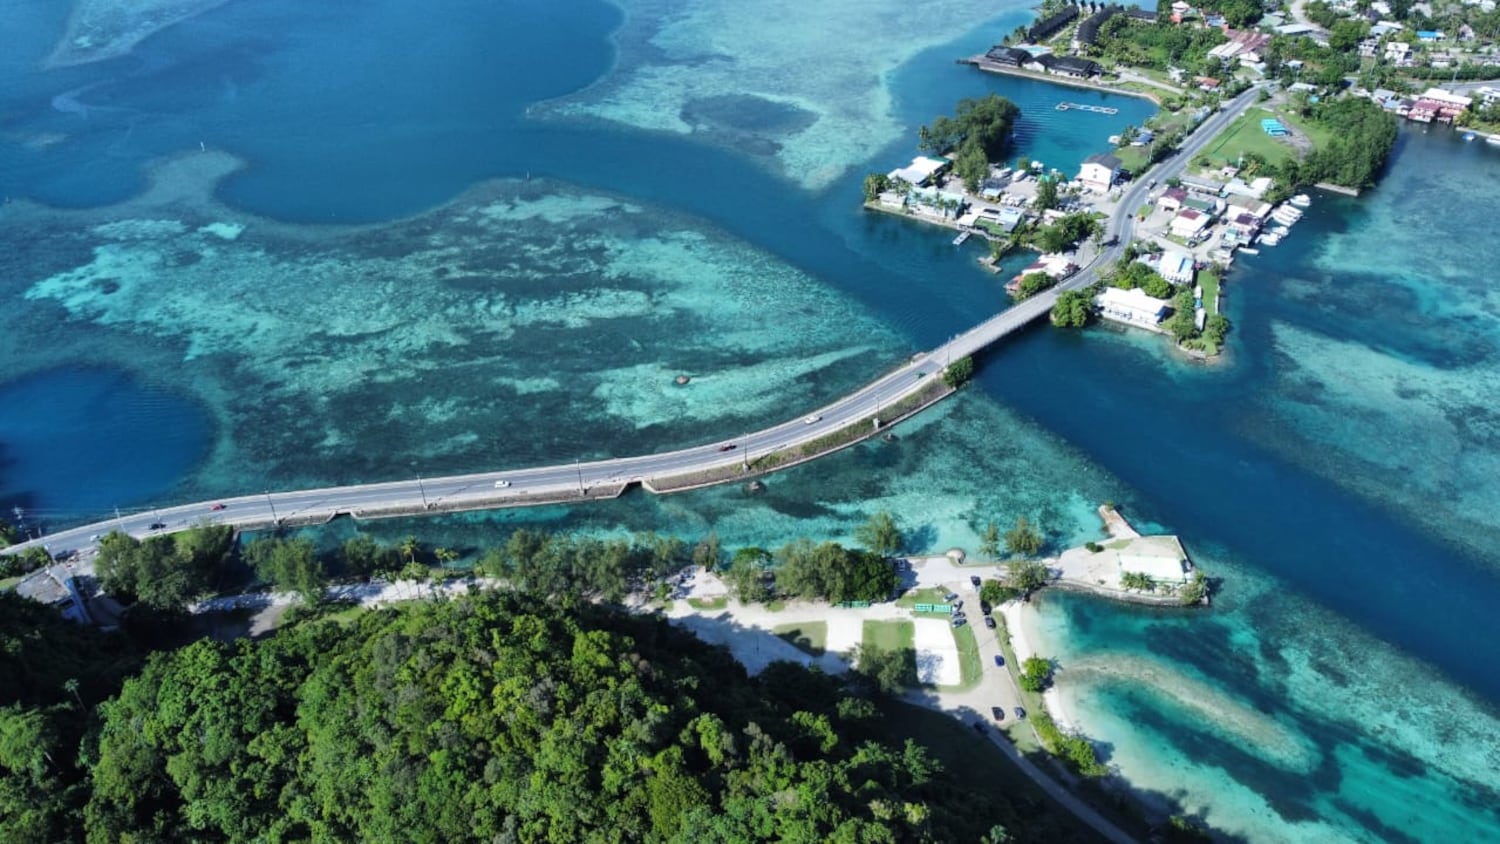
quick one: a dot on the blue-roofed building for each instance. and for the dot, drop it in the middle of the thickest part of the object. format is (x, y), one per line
(1429, 35)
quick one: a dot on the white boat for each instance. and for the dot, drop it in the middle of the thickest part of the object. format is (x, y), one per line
(1301, 200)
(1284, 218)
(1493, 139)
(962, 236)
(1287, 211)
(1246, 250)
(1268, 239)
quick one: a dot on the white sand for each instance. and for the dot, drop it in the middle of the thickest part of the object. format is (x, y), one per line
(937, 653)
(845, 631)
(1026, 641)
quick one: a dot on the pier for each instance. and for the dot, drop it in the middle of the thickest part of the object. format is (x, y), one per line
(1066, 106)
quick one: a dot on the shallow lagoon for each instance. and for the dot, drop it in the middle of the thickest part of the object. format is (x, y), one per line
(1337, 595)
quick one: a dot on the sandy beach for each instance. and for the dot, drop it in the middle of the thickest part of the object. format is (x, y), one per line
(1027, 641)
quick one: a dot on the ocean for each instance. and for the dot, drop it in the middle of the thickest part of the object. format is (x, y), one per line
(280, 245)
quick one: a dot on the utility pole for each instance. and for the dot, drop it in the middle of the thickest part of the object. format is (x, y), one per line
(274, 519)
(120, 519)
(579, 468)
(423, 491)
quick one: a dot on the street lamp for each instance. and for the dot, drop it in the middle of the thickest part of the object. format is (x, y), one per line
(579, 468)
(269, 503)
(423, 490)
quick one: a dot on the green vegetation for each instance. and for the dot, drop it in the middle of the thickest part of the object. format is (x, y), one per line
(1073, 309)
(1046, 193)
(995, 593)
(989, 542)
(290, 565)
(502, 716)
(1156, 45)
(811, 637)
(709, 604)
(1077, 751)
(928, 595)
(1065, 232)
(970, 665)
(1023, 539)
(887, 655)
(24, 563)
(880, 535)
(1361, 135)
(978, 134)
(1137, 580)
(830, 572)
(163, 572)
(1036, 674)
(1244, 140)
(1181, 323)
(749, 577)
(1028, 576)
(608, 569)
(959, 372)
(1195, 590)
(875, 185)
(1032, 284)
(8, 534)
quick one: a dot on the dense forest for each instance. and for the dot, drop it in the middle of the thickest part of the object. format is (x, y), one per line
(496, 717)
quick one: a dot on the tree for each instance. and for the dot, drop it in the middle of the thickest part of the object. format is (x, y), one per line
(892, 671)
(1036, 673)
(1046, 193)
(409, 546)
(749, 580)
(707, 554)
(163, 572)
(1032, 284)
(995, 593)
(875, 185)
(1073, 309)
(959, 372)
(880, 534)
(985, 122)
(1023, 539)
(1028, 576)
(1182, 325)
(1157, 287)
(971, 165)
(444, 555)
(989, 542)
(1137, 580)
(290, 565)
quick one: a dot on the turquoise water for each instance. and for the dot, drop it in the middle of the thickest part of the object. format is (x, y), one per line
(421, 244)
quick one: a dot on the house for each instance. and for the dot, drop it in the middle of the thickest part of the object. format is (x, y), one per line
(1171, 199)
(1253, 206)
(1160, 558)
(1397, 52)
(1206, 83)
(1176, 267)
(1429, 35)
(1008, 56)
(1200, 185)
(1132, 307)
(1242, 227)
(1099, 172)
(1042, 30)
(1189, 223)
(920, 171)
(1437, 104)
(1071, 66)
(938, 203)
(1055, 266)
(1295, 29)
(1240, 43)
(1488, 95)
(1207, 206)
(1384, 28)
(60, 592)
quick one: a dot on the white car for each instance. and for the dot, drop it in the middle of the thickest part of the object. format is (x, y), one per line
(808, 420)
(501, 484)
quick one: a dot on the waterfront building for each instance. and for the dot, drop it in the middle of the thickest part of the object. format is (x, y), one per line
(1054, 265)
(1044, 29)
(1099, 172)
(1162, 561)
(921, 171)
(1176, 267)
(1132, 307)
(1008, 56)
(1088, 31)
(1189, 223)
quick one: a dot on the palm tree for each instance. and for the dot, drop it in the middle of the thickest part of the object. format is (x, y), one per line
(445, 555)
(70, 685)
(409, 547)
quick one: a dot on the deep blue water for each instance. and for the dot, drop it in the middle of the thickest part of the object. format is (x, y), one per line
(337, 125)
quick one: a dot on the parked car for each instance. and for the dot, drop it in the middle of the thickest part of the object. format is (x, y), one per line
(1000, 660)
(998, 712)
(974, 579)
(1020, 713)
(958, 606)
(217, 507)
(989, 621)
(950, 597)
(959, 621)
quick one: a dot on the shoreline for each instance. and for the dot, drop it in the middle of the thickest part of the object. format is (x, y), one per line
(1021, 622)
(1002, 70)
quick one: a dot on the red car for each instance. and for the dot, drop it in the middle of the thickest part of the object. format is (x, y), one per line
(217, 507)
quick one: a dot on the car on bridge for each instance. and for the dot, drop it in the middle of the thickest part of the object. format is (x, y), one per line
(808, 420)
(158, 526)
(727, 447)
(217, 507)
(501, 484)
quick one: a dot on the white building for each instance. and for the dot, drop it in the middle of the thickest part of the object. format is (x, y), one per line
(1189, 223)
(920, 171)
(1161, 568)
(1176, 267)
(1132, 307)
(1098, 172)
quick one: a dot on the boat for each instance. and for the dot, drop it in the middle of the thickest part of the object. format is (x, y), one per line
(1246, 250)
(962, 236)
(1301, 200)
(1286, 217)
(1468, 136)
(1493, 139)
(1269, 239)
(1287, 211)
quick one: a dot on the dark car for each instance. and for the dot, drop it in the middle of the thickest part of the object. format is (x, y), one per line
(1000, 660)
(158, 526)
(950, 597)
(1020, 713)
(989, 621)
(959, 621)
(998, 712)
(217, 507)
(727, 447)
(974, 579)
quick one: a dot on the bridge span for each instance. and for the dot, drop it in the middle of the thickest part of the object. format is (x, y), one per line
(906, 390)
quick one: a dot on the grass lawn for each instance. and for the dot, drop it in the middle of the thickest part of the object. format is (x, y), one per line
(1245, 136)
(921, 596)
(1210, 284)
(1021, 734)
(811, 637)
(718, 603)
(776, 606)
(1132, 158)
(983, 769)
(969, 665)
(9, 583)
(890, 635)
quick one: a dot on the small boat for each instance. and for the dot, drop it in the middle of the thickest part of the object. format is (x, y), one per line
(1469, 136)
(1268, 239)
(1493, 139)
(1287, 211)
(1301, 200)
(962, 236)
(1246, 250)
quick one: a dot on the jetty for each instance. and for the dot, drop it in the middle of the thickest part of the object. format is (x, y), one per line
(1066, 106)
(962, 236)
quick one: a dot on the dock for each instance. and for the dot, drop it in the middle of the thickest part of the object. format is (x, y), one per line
(962, 236)
(1066, 106)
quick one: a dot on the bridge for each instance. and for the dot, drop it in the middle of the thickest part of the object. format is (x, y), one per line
(906, 390)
